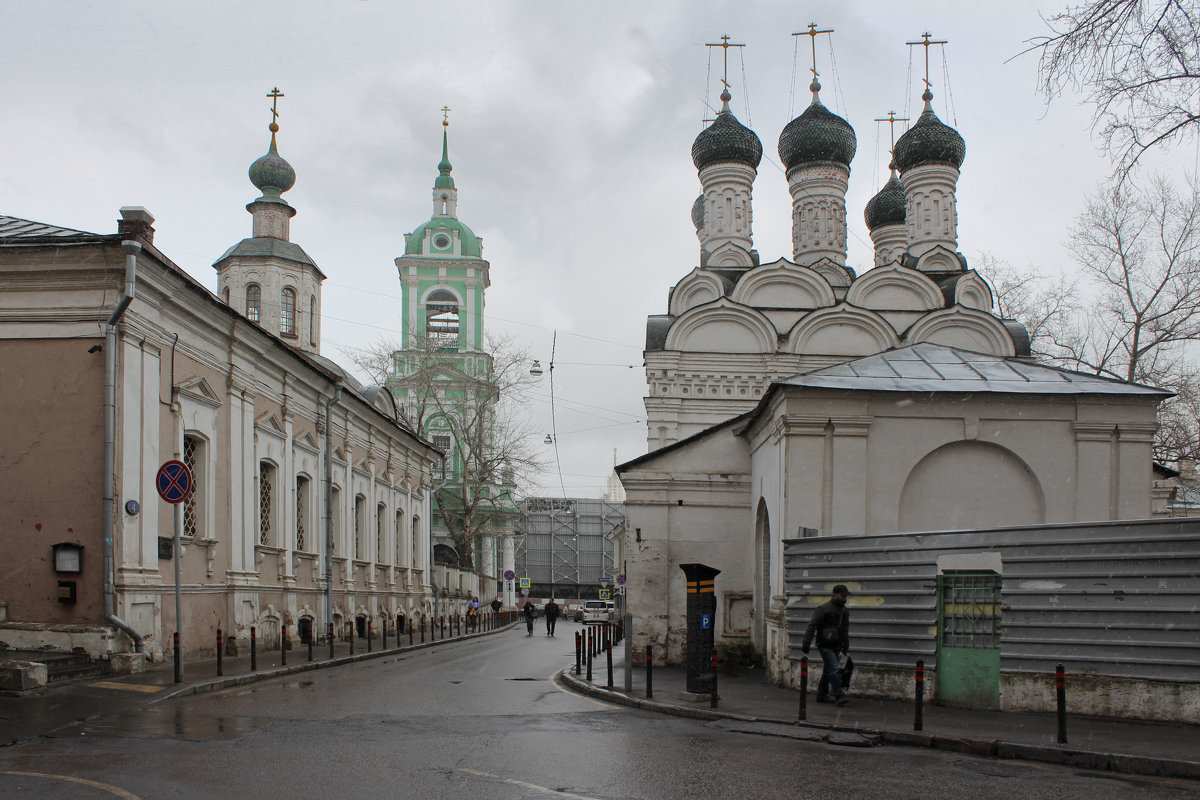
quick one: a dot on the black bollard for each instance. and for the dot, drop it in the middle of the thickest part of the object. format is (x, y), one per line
(220, 653)
(578, 650)
(410, 633)
(283, 645)
(178, 658)
(369, 626)
(422, 631)
(802, 712)
(1060, 690)
(383, 644)
(331, 640)
(350, 633)
(311, 636)
(589, 666)
(649, 671)
(253, 649)
(919, 697)
(608, 654)
(713, 703)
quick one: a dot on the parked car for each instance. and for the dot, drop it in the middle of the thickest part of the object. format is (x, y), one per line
(599, 611)
(576, 614)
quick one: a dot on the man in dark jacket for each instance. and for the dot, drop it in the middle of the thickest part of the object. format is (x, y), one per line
(830, 626)
(551, 616)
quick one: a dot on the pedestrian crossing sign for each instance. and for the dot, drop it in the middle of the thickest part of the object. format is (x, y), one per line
(524, 583)
(605, 594)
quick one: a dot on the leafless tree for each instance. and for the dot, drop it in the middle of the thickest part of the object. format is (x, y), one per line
(1137, 316)
(475, 402)
(1136, 61)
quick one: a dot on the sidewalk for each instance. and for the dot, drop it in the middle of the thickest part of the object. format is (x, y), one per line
(63, 706)
(748, 702)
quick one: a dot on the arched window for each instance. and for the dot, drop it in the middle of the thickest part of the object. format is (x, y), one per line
(266, 502)
(312, 320)
(441, 320)
(416, 527)
(335, 516)
(225, 295)
(254, 303)
(287, 312)
(399, 555)
(360, 510)
(380, 516)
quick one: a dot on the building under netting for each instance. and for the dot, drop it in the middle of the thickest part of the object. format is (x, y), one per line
(569, 548)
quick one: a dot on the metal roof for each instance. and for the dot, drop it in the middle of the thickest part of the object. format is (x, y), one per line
(17, 228)
(930, 367)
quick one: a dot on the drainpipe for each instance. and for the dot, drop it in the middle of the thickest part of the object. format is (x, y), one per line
(131, 250)
(329, 404)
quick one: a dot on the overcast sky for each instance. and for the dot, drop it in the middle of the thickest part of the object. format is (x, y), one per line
(571, 131)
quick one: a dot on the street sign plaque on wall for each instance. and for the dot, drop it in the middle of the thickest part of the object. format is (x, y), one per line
(174, 481)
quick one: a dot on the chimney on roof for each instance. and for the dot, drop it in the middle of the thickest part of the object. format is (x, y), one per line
(136, 223)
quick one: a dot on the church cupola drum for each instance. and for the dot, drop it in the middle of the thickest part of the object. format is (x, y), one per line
(726, 155)
(816, 149)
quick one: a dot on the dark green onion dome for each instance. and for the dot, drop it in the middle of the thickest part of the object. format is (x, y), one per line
(887, 207)
(930, 141)
(817, 135)
(726, 140)
(698, 212)
(271, 174)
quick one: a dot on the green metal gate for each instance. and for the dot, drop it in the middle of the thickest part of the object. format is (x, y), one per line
(969, 619)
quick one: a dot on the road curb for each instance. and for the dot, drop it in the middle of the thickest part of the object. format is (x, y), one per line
(230, 681)
(987, 748)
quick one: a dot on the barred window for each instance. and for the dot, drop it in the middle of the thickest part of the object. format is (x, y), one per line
(380, 514)
(443, 442)
(193, 459)
(398, 557)
(254, 302)
(302, 506)
(287, 312)
(312, 319)
(266, 497)
(416, 527)
(335, 515)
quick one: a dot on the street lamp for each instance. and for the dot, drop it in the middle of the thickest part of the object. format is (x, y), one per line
(536, 369)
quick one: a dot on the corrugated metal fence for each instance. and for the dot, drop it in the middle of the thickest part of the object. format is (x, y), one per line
(1119, 599)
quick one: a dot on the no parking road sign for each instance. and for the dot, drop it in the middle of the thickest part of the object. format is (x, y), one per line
(174, 481)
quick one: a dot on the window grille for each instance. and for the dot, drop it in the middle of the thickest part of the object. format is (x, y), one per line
(380, 511)
(287, 318)
(359, 502)
(191, 509)
(265, 478)
(301, 512)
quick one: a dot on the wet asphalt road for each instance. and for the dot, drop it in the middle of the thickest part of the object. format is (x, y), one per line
(482, 719)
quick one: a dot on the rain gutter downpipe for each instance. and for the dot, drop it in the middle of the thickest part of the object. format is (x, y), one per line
(329, 404)
(108, 518)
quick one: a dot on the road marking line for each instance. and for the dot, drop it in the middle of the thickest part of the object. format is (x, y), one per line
(129, 687)
(525, 785)
(94, 784)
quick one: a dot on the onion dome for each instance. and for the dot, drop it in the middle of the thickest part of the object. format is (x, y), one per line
(817, 135)
(698, 212)
(726, 140)
(887, 207)
(271, 174)
(443, 180)
(929, 141)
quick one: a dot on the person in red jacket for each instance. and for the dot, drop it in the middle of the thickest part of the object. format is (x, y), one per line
(830, 626)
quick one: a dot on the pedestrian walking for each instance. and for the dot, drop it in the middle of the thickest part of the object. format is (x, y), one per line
(551, 612)
(497, 605)
(830, 626)
(528, 611)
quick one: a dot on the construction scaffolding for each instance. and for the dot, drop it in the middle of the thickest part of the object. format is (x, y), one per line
(569, 548)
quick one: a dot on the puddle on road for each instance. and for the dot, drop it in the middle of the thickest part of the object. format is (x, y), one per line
(173, 723)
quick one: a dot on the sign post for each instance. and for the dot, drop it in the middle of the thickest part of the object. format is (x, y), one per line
(174, 484)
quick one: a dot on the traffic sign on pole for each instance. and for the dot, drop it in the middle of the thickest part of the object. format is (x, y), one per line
(509, 575)
(174, 482)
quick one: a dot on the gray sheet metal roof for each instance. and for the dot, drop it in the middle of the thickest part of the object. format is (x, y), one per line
(17, 228)
(930, 367)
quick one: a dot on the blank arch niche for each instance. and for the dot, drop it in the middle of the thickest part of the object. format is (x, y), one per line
(966, 485)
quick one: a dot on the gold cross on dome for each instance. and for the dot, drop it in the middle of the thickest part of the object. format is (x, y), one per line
(812, 33)
(445, 116)
(892, 119)
(927, 43)
(724, 44)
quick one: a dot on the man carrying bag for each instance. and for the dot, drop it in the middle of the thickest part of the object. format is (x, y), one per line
(830, 626)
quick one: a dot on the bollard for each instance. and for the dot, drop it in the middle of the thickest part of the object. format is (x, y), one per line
(649, 671)
(608, 655)
(383, 644)
(442, 627)
(802, 712)
(1060, 689)
(253, 649)
(589, 666)
(410, 633)
(220, 653)
(283, 645)
(422, 631)
(578, 650)
(350, 635)
(331, 640)
(919, 697)
(312, 631)
(369, 626)
(178, 658)
(713, 703)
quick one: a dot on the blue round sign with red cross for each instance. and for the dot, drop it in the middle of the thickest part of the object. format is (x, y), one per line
(509, 575)
(174, 481)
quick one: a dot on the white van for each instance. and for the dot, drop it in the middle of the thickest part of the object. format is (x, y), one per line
(599, 611)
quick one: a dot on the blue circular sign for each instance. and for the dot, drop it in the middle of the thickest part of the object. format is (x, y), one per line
(174, 481)
(509, 575)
